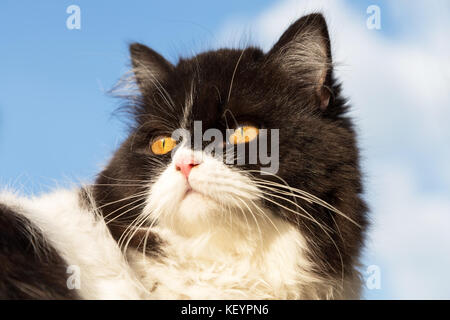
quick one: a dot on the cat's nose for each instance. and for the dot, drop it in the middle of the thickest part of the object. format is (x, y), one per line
(185, 165)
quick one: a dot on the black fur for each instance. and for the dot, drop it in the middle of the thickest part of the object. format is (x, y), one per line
(318, 149)
(29, 267)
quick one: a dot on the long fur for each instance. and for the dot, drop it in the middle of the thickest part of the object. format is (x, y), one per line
(228, 230)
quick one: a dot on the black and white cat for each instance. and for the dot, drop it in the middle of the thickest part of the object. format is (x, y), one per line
(168, 220)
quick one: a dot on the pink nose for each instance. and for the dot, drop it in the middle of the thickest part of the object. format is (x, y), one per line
(185, 165)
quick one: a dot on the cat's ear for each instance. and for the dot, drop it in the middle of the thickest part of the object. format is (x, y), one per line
(149, 67)
(304, 52)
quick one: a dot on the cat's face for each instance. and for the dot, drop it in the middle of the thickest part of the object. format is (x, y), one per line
(307, 175)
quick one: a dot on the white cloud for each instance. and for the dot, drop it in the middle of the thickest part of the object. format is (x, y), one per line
(400, 90)
(411, 234)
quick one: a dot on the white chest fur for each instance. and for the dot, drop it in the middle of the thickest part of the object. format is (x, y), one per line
(266, 265)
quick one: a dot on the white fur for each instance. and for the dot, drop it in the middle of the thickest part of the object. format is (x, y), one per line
(219, 242)
(83, 240)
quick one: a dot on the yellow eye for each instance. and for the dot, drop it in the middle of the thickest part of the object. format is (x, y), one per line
(163, 145)
(243, 134)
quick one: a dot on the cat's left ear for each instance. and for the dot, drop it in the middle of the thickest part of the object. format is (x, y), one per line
(304, 52)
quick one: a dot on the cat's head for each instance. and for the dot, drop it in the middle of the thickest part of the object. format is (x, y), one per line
(280, 111)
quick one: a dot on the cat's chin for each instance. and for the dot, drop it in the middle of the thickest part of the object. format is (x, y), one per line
(196, 213)
(191, 193)
(195, 200)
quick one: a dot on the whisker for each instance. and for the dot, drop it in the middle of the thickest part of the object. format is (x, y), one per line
(128, 230)
(117, 185)
(311, 198)
(135, 207)
(138, 227)
(266, 216)
(121, 214)
(254, 218)
(309, 217)
(123, 199)
(234, 73)
(126, 180)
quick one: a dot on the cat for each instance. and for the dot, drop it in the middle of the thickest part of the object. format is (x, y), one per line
(167, 219)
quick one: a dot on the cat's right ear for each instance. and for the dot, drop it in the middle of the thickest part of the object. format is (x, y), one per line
(149, 67)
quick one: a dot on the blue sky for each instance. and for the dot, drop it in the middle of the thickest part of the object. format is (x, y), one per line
(57, 124)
